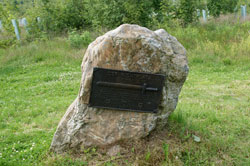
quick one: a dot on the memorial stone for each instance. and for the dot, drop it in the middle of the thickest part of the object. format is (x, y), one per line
(129, 49)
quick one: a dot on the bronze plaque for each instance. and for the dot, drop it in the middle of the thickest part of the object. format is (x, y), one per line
(125, 90)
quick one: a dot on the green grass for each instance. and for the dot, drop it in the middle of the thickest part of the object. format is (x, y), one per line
(38, 81)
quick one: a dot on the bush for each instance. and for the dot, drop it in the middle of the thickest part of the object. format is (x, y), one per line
(58, 16)
(112, 13)
(7, 35)
(77, 40)
(224, 6)
(184, 12)
(6, 14)
(5, 43)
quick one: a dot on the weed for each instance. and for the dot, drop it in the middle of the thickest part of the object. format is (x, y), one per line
(165, 150)
(147, 157)
(79, 40)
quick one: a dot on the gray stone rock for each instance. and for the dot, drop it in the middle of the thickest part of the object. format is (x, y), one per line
(114, 150)
(132, 48)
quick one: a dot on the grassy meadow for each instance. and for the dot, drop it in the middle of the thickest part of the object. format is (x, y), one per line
(211, 125)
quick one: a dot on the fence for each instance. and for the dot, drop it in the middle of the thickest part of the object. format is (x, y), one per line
(243, 11)
(1, 26)
(205, 13)
(23, 21)
(16, 29)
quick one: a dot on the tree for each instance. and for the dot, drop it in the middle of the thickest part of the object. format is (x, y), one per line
(112, 13)
(223, 6)
(185, 11)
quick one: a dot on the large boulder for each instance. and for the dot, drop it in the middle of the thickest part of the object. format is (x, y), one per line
(131, 48)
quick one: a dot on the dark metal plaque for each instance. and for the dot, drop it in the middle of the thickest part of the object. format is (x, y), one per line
(124, 90)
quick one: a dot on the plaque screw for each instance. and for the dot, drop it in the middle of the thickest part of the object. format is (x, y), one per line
(144, 86)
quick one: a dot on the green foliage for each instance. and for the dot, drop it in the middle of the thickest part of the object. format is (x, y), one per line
(148, 155)
(6, 14)
(243, 2)
(187, 12)
(57, 16)
(184, 11)
(168, 9)
(5, 43)
(112, 13)
(224, 6)
(79, 40)
(137, 12)
(214, 7)
(165, 150)
(105, 13)
(108, 163)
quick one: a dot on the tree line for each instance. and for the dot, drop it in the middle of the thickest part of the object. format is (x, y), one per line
(63, 15)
